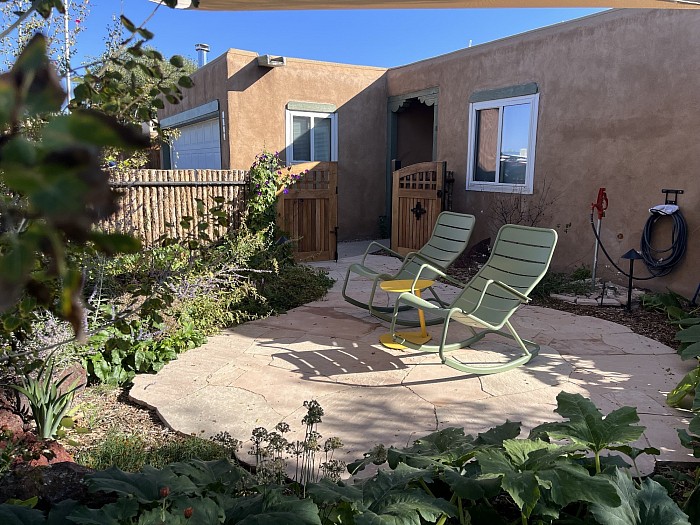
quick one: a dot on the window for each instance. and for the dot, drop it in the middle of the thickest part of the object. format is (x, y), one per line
(502, 144)
(311, 136)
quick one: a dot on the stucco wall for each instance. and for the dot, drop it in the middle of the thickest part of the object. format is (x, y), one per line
(619, 107)
(257, 98)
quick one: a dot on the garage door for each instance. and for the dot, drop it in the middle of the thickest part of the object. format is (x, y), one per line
(197, 147)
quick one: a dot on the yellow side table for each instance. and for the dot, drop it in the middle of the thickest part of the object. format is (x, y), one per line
(419, 338)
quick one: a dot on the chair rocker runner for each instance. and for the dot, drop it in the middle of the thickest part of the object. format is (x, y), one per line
(518, 261)
(449, 239)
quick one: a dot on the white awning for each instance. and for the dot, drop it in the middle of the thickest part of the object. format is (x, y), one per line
(286, 5)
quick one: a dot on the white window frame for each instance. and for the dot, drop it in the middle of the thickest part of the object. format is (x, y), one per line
(496, 186)
(290, 135)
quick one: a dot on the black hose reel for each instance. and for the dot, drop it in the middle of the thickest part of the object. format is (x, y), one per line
(662, 261)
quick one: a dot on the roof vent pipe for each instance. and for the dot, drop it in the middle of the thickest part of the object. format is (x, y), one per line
(202, 50)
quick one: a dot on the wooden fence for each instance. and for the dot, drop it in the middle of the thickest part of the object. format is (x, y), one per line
(154, 202)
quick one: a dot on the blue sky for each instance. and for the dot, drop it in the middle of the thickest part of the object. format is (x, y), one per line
(383, 38)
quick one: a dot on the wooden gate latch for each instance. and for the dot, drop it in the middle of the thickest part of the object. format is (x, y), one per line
(418, 211)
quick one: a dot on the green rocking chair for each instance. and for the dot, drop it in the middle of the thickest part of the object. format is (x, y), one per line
(518, 261)
(449, 239)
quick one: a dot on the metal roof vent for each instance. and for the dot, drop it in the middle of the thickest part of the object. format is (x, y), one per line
(202, 50)
(270, 61)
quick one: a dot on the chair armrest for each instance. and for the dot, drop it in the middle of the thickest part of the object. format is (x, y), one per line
(438, 271)
(415, 301)
(380, 246)
(523, 298)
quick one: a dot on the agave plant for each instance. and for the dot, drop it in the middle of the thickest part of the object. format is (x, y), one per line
(48, 403)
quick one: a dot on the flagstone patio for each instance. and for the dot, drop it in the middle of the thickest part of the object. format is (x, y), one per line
(260, 373)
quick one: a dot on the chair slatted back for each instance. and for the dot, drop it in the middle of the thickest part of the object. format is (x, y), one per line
(520, 258)
(449, 239)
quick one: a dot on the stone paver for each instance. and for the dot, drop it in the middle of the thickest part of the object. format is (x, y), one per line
(260, 373)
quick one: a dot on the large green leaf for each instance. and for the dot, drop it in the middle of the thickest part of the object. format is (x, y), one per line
(406, 507)
(688, 384)
(569, 482)
(587, 427)
(446, 446)
(470, 487)
(381, 486)
(35, 80)
(327, 492)
(689, 335)
(121, 511)
(649, 505)
(144, 486)
(272, 507)
(219, 475)
(20, 515)
(91, 127)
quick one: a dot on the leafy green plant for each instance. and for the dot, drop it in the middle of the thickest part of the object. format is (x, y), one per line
(48, 402)
(587, 428)
(541, 478)
(268, 179)
(674, 305)
(447, 476)
(123, 353)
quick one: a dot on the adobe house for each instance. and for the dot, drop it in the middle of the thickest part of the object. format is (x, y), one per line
(610, 100)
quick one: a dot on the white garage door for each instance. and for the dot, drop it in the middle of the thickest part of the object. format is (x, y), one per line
(197, 147)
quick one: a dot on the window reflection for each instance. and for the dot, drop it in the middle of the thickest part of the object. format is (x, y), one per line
(486, 145)
(514, 144)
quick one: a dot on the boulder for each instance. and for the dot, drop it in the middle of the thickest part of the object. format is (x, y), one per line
(52, 483)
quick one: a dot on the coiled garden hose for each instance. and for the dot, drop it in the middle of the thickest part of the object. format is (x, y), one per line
(660, 266)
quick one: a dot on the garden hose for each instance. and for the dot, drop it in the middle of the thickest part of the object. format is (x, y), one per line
(660, 266)
(600, 243)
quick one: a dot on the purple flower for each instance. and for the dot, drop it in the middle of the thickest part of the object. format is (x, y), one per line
(285, 191)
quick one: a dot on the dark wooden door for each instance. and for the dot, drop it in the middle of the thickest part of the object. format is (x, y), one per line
(417, 196)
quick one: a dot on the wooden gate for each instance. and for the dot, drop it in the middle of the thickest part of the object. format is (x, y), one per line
(417, 196)
(308, 213)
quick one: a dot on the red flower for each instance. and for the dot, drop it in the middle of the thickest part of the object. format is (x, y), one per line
(164, 492)
(188, 512)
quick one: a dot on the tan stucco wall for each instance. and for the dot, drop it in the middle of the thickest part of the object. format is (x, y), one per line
(258, 96)
(619, 107)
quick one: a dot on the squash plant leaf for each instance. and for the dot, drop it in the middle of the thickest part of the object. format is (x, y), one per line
(649, 505)
(144, 486)
(449, 446)
(219, 475)
(405, 507)
(20, 515)
(541, 477)
(121, 511)
(326, 492)
(586, 426)
(273, 507)
(468, 486)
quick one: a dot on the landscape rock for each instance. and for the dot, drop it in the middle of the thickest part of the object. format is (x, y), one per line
(51, 484)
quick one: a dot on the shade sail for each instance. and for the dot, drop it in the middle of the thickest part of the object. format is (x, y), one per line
(282, 5)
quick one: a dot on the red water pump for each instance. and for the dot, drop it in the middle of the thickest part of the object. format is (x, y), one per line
(601, 205)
